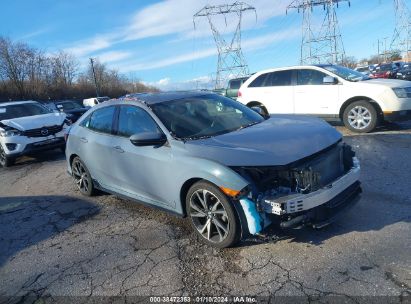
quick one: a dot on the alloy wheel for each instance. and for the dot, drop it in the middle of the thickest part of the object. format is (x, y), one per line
(81, 176)
(209, 216)
(2, 156)
(359, 117)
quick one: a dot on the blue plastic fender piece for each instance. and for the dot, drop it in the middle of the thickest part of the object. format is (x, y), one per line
(252, 215)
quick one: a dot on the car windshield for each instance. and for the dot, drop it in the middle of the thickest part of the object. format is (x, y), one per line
(68, 105)
(346, 73)
(22, 110)
(204, 116)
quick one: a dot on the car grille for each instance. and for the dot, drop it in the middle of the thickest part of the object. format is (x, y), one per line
(43, 132)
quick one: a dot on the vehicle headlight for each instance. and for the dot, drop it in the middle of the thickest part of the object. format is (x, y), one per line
(400, 92)
(9, 133)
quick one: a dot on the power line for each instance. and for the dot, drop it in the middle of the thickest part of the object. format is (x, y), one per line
(323, 44)
(231, 62)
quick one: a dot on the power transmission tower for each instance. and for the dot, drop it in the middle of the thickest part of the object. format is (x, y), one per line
(320, 44)
(231, 62)
(401, 40)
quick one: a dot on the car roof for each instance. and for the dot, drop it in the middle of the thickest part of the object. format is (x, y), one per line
(153, 98)
(9, 103)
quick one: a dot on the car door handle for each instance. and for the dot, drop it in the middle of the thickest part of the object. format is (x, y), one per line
(83, 139)
(118, 149)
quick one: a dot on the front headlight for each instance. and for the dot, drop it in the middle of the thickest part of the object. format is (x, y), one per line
(10, 133)
(400, 92)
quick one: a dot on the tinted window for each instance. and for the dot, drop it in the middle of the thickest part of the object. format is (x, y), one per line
(101, 120)
(258, 82)
(235, 84)
(310, 77)
(280, 78)
(133, 120)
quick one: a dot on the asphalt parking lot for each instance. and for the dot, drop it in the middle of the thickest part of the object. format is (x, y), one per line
(54, 242)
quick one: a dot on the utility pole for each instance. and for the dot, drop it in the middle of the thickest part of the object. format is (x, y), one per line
(401, 39)
(94, 76)
(385, 49)
(231, 62)
(323, 44)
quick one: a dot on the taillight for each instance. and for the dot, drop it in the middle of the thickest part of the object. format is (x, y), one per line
(239, 93)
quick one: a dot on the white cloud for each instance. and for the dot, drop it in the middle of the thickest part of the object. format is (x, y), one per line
(155, 64)
(113, 56)
(174, 17)
(166, 84)
(86, 47)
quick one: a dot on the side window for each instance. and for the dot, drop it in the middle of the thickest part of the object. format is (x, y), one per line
(310, 77)
(280, 78)
(100, 120)
(258, 82)
(235, 84)
(133, 120)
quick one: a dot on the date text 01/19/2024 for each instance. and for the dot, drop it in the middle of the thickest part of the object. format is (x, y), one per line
(203, 299)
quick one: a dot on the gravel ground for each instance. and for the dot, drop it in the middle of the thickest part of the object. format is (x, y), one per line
(55, 243)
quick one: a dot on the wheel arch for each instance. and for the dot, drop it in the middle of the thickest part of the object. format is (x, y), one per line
(360, 98)
(71, 158)
(184, 190)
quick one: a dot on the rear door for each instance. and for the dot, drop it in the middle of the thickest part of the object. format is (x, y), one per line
(275, 91)
(313, 96)
(95, 141)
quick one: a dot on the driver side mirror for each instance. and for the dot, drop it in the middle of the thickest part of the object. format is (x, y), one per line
(260, 111)
(330, 80)
(148, 139)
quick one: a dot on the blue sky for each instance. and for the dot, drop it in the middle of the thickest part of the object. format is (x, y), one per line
(155, 41)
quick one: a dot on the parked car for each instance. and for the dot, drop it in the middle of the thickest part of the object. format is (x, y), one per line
(91, 102)
(331, 92)
(365, 70)
(405, 72)
(387, 70)
(73, 109)
(27, 127)
(210, 158)
(232, 88)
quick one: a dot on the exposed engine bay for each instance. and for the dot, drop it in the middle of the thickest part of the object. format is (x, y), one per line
(289, 191)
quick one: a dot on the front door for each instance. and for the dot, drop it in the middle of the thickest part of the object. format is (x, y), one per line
(140, 171)
(313, 96)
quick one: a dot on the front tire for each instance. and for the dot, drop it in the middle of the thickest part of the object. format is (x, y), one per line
(360, 117)
(212, 215)
(5, 161)
(82, 177)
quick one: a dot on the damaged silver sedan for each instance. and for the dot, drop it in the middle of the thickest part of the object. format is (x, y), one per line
(214, 160)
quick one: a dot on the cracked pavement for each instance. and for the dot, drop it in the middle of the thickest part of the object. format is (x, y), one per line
(55, 242)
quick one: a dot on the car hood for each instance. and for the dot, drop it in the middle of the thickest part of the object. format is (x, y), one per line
(392, 83)
(278, 141)
(36, 121)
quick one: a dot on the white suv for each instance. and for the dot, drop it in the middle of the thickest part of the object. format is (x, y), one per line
(27, 127)
(331, 92)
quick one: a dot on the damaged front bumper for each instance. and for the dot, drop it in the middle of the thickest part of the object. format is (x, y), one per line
(317, 209)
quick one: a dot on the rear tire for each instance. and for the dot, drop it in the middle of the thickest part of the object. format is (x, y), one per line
(82, 177)
(212, 215)
(361, 117)
(5, 161)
